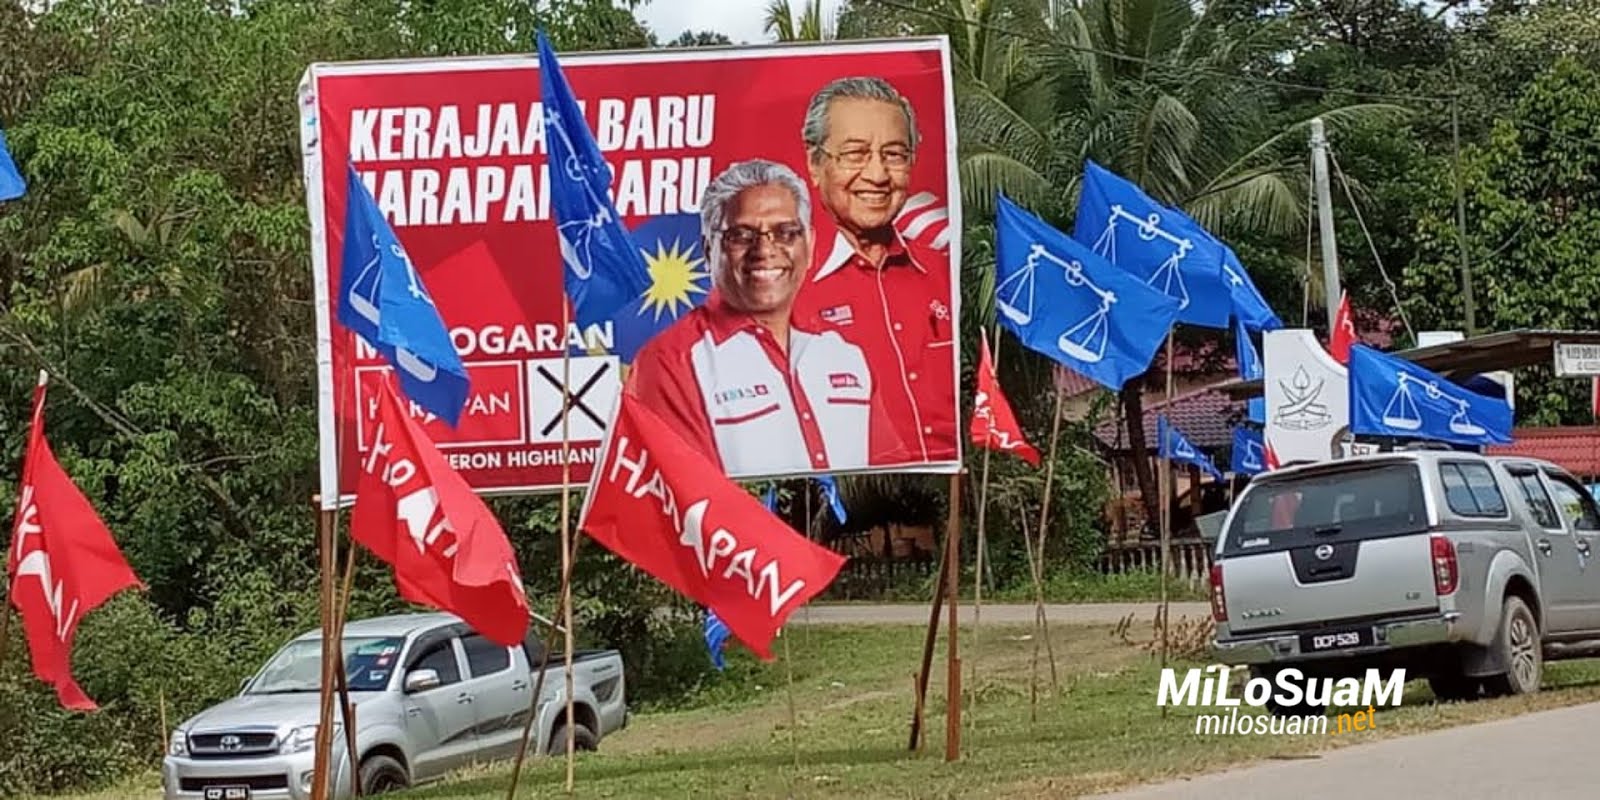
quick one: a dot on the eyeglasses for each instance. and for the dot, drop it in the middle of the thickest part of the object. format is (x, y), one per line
(744, 237)
(894, 157)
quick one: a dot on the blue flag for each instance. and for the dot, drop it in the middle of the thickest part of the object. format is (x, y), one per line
(12, 186)
(382, 298)
(1248, 304)
(830, 492)
(716, 632)
(1162, 246)
(1391, 396)
(604, 271)
(1250, 369)
(1177, 448)
(1249, 451)
(1064, 301)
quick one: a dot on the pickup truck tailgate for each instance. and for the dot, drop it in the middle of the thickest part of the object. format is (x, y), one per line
(1328, 545)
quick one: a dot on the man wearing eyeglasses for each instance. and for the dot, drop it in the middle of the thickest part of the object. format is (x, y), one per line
(740, 379)
(886, 292)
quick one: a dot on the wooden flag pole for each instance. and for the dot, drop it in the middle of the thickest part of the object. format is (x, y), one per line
(346, 709)
(1038, 564)
(566, 533)
(977, 571)
(927, 650)
(325, 544)
(952, 536)
(1167, 490)
(538, 684)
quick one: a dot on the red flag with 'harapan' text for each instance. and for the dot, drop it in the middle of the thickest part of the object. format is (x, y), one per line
(668, 510)
(993, 424)
(417, 514)
(62, 561)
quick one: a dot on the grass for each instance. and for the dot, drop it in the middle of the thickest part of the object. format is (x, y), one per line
(1073, 586)
(853, 692)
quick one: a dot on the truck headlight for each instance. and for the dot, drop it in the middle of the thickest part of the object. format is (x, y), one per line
(304, 738)
(178, 745)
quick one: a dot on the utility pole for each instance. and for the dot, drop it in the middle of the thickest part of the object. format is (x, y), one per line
(1461, 215)
(1330, 250)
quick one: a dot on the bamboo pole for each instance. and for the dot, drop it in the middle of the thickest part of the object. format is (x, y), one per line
(927, 651)
(977, 572)
(564, 595)
(952, 536)
(1038, 571)
(323, 743)
(1167, 491)
(347, 710)
(794, 719)
(566, 534)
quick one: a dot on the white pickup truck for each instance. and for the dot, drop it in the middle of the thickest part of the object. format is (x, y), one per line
(430, 696)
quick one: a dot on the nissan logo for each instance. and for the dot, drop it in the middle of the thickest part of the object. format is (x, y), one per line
(1324, 552)
(230, 742)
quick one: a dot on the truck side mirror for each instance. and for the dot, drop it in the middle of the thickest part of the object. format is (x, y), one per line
(422, 680)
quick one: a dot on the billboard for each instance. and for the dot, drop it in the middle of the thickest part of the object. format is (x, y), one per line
(798, 208)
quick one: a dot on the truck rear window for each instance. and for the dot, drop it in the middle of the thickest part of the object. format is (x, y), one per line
(1368, 503)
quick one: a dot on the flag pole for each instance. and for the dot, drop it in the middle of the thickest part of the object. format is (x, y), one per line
(566, 532)
(952, 537)
(794, 720)
(983, 506)
(346, 709)
(1168, 489)
(927, 650)
(5, 605)
(324, 739)
(538, 689)
(1040, 626)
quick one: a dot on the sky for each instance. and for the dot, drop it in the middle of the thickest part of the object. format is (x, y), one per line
(739, 20)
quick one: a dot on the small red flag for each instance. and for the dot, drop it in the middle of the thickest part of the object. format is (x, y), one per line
(62, 561)
(993, 424)
(664, 507)
(417, 514)
(1344, 331)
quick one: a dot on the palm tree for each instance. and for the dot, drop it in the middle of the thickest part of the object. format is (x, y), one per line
(810, 25)
(1147, 88)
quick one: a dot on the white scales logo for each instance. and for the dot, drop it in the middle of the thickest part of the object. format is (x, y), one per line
(577, 236)
(364, 291)
(37, 564)
(1086, 340)
(1252, 458)
(1167, 277)
(1402, 412)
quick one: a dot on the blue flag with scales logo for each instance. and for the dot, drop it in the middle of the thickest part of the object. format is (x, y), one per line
(1162, 246)
(603, 269)
(12, 185)
(382, 299)
(1390, 396)
(1176, 447)
(1064, 301)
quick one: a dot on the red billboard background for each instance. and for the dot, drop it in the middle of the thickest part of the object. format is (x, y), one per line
(453, 152)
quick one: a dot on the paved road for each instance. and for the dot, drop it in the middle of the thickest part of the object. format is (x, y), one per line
(1021, 613)
(1549, 755)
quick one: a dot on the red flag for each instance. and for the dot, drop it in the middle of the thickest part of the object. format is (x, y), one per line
(667, 509)
(993, 424)
(62, 561)
(1344, 331)
(418, 515)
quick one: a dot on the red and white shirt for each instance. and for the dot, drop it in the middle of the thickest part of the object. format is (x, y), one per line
(729, 390)
(900, 315)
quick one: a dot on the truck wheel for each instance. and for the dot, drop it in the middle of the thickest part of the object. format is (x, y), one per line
(582, 737)
(381, 774)
(1518, 646)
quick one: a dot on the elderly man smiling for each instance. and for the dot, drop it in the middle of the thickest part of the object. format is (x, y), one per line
(882, 291)
(739, 378)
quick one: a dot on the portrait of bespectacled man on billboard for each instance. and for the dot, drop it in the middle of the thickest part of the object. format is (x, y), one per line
(873, 278)
(742, 378)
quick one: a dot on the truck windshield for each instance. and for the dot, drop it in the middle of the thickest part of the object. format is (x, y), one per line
(368, 664)
(1349, 505)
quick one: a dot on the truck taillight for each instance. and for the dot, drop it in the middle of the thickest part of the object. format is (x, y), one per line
(1446, 573)
(1219, 601)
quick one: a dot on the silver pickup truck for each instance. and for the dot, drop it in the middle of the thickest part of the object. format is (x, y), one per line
(1469, 570)
(430, 696)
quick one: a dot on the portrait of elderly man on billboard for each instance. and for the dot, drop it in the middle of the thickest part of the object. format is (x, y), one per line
(887, 292)
(740, 377)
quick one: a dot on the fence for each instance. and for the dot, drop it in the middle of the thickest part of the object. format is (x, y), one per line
(1191, 559)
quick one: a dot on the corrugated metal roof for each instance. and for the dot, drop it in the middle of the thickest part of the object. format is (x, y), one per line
(1205, 416)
